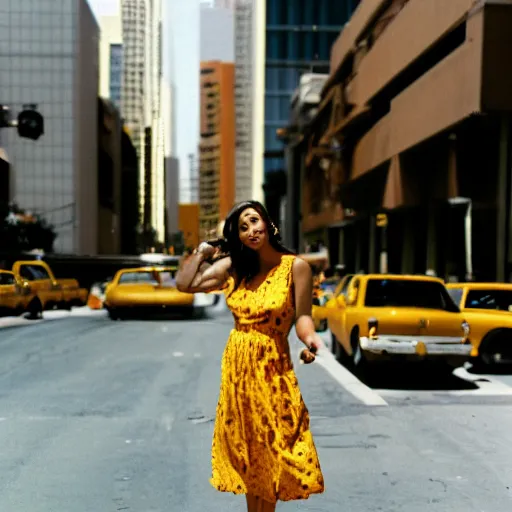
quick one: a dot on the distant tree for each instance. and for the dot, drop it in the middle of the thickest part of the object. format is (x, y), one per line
(177, 240)
(23, 231)
(147, 239)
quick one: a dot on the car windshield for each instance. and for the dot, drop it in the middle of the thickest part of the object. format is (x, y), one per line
(7, 279)
(167, 278)
(500, 300)
(456, 295)
(138, 277)
(408, 294)
(164, 277)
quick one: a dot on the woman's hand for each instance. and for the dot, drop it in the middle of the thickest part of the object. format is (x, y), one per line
(314, 344)
(206, 250)
(199, 274)
(307, 356)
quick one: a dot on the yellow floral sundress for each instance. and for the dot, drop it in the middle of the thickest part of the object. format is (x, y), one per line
(262, 444)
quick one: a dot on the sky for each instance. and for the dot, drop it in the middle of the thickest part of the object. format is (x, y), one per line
(104, 7)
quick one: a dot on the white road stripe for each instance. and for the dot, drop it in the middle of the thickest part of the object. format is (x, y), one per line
(486, 385)
(348, 380)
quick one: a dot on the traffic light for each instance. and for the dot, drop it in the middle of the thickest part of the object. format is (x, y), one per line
(5, 116)
(30, 123)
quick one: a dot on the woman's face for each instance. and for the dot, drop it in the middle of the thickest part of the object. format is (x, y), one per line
(252, 229)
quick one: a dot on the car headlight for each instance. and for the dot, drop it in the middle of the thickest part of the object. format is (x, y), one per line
(465, 328)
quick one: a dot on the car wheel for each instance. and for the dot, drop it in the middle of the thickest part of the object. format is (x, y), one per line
(113, 315)
(496, 348)
(359, 360)
(339, 352)
(35, 310)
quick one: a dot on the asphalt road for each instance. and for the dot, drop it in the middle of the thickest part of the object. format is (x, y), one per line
(107, 416)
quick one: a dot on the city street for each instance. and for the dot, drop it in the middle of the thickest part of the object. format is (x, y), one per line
(105, 416)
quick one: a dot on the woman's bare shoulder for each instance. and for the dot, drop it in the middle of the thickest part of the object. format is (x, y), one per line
(301, 268)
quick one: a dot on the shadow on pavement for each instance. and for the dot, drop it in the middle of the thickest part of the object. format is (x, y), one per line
(417, 377)
(161, 316)
(497, 369)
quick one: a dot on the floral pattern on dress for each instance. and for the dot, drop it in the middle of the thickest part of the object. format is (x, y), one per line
(262, 444)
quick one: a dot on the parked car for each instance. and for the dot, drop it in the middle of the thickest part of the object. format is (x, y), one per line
(488, 310)
(49, 292)
(16, 295)
(150, 289)
(382, 317)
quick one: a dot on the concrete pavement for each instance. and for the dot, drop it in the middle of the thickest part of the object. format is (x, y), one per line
(104, 416)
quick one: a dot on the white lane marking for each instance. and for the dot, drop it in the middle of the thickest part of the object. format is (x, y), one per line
(197, 354)
(348, 380)
(486, 385)
(177, 354)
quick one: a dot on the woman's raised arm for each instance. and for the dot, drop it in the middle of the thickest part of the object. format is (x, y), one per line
(197, 275)
(303, 288)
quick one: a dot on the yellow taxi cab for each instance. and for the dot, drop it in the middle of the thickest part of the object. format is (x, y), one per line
(150, 288)
(380, 317)
(51, 292)
(319, 312)
(16, 296)
(322, 292)
(488, 310)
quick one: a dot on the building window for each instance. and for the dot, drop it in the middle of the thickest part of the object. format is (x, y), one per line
(116, 72)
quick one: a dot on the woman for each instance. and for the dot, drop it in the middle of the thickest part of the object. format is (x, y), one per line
(262, 446)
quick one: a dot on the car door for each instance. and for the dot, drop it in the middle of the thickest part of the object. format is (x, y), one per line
(41, 282)
(341, 320)
(9, 297)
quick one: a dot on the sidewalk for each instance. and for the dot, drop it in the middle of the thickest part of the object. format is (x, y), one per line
(18, 321)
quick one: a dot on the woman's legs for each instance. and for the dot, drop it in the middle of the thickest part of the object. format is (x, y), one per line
(252, 503)
(256, 504)
(265, 506)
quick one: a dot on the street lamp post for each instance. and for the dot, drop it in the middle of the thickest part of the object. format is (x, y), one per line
(468, 220)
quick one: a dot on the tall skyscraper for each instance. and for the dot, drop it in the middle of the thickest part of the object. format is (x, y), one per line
(299, 36)
(49, 56)
(182, 45)
(250, 82)
(217, 148)
(111, 58)
(217, 34)
(141, 103)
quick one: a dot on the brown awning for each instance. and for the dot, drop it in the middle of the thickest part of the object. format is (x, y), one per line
(357, 114)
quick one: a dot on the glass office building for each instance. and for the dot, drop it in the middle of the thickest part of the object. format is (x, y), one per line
(116, 73)
(299, 36)
(49, 57)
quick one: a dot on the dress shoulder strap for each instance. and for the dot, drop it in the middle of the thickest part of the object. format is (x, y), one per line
(288, 267)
